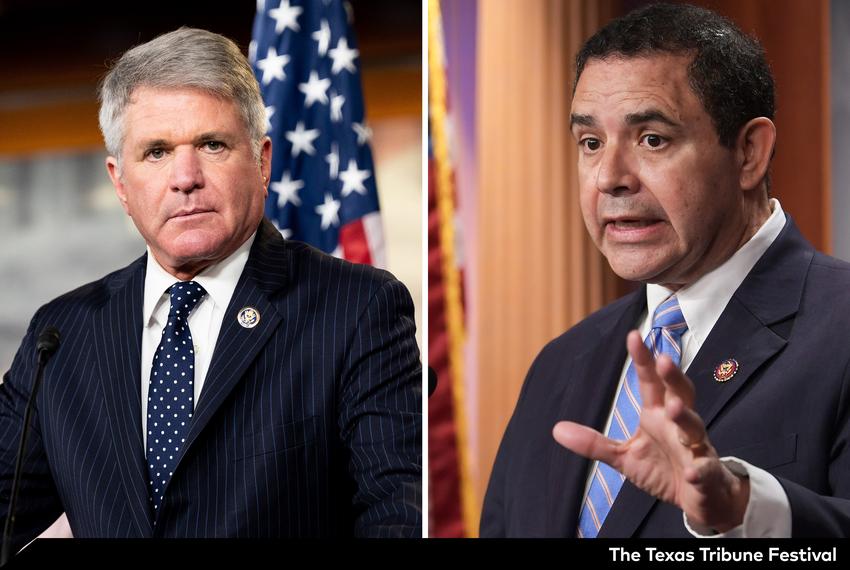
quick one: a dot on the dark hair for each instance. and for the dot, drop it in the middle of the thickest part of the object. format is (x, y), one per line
(729, 72)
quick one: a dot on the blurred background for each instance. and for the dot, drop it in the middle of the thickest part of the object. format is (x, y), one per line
(510, 264)
(60, 223)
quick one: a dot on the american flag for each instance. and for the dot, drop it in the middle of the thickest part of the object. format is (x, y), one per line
(322, 188)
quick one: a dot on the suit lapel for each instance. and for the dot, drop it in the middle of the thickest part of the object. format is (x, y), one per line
(237, 347)
(745, 331)
(750, 330)
(588, 402)
(117, 342)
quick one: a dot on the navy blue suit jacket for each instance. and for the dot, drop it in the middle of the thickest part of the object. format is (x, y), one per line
(787, 410)
(308, 424)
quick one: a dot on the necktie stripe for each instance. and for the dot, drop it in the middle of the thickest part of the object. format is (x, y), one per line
(632, 398)
(608, 496)
(596, 522)
(665, 337)
(623, 426)
(672, 342)
(609, 479)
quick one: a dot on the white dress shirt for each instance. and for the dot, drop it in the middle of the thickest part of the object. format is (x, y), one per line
(768, 512)
(205, 321)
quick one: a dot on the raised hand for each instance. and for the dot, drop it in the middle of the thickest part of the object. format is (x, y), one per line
(669, 456)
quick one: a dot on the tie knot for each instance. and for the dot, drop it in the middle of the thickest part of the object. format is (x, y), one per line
(184, 296)
(669, 316)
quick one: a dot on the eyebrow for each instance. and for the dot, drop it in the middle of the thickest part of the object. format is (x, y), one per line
(200, 139)
(582, 120)
(153, 143)
(212, 136)
(650, 116)
(632, 119)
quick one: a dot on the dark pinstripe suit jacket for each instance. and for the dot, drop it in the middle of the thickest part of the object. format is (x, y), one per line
(308, 424)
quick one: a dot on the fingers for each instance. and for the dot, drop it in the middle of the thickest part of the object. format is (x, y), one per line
(675, 380)
(691, 432)
(649, 383)
(586, 442)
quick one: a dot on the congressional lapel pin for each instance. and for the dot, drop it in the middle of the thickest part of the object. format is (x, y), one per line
(724, 371)
(248, 317)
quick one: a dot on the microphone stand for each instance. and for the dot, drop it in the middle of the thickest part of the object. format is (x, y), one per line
(48, 342)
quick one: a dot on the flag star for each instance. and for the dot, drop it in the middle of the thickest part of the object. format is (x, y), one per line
(272, 66)
(337, 101)
(333, 161)
(323, 37)
(352, 179)
(285, 16)
(269, 114)
(343, 57)
(364, 132)
(329, 212)
(252, 51)
(302, 140)
(287, 190)
(315, 89)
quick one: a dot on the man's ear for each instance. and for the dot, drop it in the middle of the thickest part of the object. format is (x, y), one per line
(266, 163)
(755, 149)
(114, 171)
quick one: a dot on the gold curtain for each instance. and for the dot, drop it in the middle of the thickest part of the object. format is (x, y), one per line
(538, 272)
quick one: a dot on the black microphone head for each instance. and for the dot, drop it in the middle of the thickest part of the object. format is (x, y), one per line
(48, 340)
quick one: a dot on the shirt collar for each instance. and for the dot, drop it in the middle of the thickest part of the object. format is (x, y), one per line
(703, 301)
(218, 280)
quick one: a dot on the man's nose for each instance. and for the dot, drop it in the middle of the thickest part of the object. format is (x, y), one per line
(616, 173)
(186, 173)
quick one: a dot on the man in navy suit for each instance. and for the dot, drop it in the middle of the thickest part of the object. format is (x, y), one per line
(228, 383)
(672, 114)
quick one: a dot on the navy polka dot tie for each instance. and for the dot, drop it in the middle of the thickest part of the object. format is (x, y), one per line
(171, 391)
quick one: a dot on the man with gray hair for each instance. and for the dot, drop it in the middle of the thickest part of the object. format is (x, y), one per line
(228, 383)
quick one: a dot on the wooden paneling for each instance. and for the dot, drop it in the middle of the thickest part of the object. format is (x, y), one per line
(539, 273)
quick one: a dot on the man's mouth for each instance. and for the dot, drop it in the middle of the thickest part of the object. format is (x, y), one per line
(629, 224)
(632, 230)
(190, 212)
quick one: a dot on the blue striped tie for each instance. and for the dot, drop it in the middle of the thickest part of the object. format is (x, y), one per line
(668, 326)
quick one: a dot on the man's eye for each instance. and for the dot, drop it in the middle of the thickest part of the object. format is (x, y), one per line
(156, 153)
(654, 141)
(591, 144)
(214, 146)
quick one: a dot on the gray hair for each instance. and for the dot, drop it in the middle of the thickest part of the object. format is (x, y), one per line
(184, 58)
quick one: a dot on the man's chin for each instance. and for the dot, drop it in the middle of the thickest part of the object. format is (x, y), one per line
(638, 270)
(194, 249)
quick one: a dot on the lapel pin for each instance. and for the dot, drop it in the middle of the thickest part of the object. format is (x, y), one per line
(724, 371)
(248, 317)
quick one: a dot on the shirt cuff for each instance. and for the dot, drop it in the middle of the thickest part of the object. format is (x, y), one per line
(768, 513)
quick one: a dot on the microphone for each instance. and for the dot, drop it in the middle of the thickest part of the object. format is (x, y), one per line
(48, 342)
(432, 381)
(46, 345)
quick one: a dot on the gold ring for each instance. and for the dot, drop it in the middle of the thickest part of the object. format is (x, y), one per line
(698, 448)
